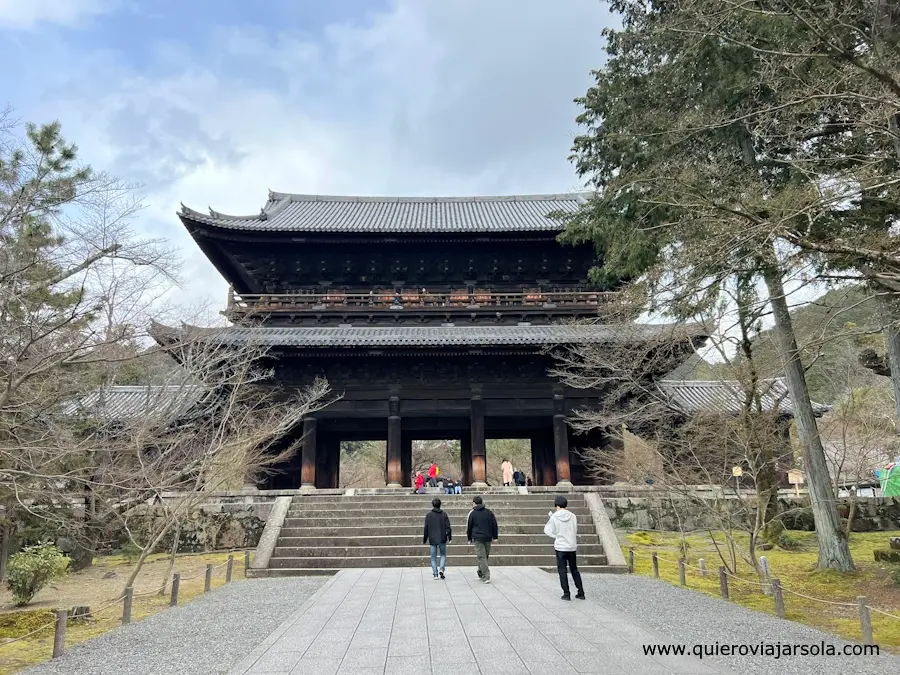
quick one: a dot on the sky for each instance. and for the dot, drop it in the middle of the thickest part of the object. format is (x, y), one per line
(213, 102)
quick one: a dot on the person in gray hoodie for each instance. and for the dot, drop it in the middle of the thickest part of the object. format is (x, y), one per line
(563, 527)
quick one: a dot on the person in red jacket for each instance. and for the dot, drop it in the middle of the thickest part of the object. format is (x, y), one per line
(432, 475)
(420, 482)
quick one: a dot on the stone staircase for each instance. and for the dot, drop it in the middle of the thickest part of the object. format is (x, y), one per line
(320, 534)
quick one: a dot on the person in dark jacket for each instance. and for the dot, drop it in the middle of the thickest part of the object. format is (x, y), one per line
(438, 533)
(481, 530)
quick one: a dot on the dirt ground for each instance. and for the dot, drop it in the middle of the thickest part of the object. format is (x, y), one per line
(105, 580)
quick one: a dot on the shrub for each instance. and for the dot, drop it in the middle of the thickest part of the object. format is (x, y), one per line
(31, 568)
(787, 542)
(895, 575)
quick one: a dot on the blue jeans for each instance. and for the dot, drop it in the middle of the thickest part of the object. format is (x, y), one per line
(434, 550)
(457, 489)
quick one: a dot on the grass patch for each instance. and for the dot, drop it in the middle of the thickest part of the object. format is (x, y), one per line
(95, 587)
(797, 572)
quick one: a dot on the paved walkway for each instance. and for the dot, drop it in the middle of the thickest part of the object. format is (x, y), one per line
(401, 621)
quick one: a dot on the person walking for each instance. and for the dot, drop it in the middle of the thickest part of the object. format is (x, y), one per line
(481, 530)
(438, 533)
(563, 527)
(420, 482)
(507, 469)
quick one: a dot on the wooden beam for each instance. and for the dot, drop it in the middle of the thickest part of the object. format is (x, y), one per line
(479, 449)
(561, 442)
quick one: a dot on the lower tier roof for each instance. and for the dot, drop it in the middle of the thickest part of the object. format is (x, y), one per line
(332, 337)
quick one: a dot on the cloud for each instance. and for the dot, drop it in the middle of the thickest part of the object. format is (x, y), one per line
(27, 14)
(421, 98)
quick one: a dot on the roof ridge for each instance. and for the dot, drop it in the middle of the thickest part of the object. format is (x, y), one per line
(275, 196)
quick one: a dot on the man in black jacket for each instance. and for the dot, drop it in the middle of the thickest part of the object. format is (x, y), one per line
(437, 533)
(481, 529)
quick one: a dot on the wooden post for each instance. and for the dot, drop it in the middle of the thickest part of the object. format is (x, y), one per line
(394, 450)
(865, 620)
(176, 581)
(702, 567)
(126, 606)
(228, 568)
(59, 636)
(561, 441)
(246, 562)
(207, 581)
(723, 582)
(655, 566)
(631, 560)
(681, 572)
(779, 597)
(479, 449)
(308, 454)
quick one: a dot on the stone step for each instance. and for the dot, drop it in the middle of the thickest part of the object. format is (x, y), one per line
(350, 518)
(336, 539)
(406, 499)
(316, 528)
(500, 548)
(329, 571)
(512, 511)
(536, 560)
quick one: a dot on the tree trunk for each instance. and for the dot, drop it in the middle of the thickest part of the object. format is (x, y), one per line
(889, 322)
(171, 566)
(834, 552)
(6, 534)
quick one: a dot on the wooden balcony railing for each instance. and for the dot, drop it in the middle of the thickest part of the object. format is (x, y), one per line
(385, 300)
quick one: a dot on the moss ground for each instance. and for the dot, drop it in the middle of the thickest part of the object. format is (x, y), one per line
(96, 587)
(797, 572)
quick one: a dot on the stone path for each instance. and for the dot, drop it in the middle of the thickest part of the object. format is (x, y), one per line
(401, 621)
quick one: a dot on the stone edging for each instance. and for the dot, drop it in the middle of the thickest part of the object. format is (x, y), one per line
(605, 531)
(269, 536)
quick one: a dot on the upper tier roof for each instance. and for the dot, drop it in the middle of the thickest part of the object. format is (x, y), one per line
(318, 213)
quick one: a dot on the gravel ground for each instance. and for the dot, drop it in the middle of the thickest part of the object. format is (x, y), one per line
(687, 617)
(205, 637)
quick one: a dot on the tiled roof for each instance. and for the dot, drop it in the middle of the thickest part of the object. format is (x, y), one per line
(125, 403)
(726, 396)
(316, 213)
(428, 336)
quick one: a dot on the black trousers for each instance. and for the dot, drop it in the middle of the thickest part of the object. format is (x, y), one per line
(570, 558)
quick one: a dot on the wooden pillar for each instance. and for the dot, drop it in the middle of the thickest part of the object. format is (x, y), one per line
(394, 444)
(561, 442)
(465, 459)
(406, 457)
(479, 449)
(328, 460)
(537, 461)
(308, 459)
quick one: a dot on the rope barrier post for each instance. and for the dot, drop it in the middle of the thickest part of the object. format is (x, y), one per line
(176, 581)
(246, 561)
(631, 560)
(655, 566)
(865, 620)
(229, 568)
(723, 582)
(207, 581)
(767, 575)
(702, 567)
(779, 597)
(59, 636)
(126, 606)
(681, 572)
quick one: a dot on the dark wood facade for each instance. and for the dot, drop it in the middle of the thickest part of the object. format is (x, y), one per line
(431, 318)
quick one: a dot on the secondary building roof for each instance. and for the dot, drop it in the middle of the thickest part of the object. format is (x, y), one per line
(285, 212)
(727, 396)
(332, 337)
(165, 403)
